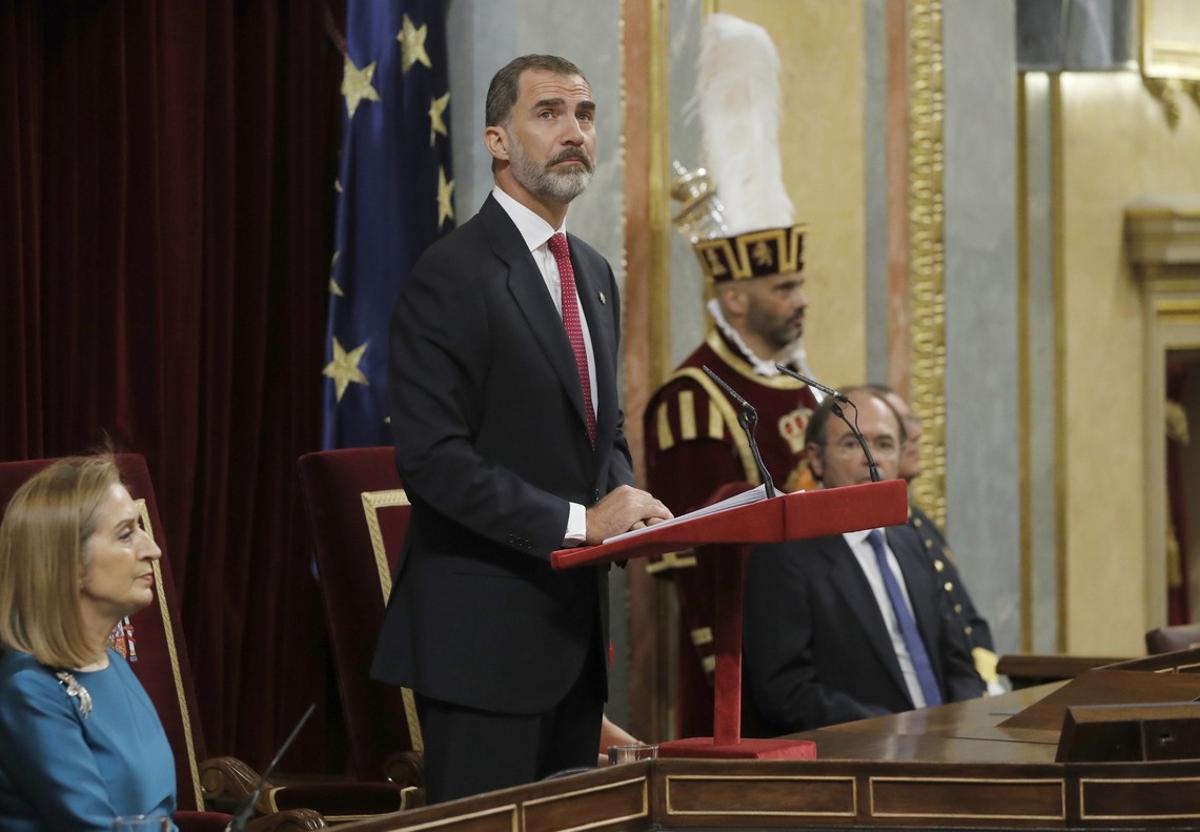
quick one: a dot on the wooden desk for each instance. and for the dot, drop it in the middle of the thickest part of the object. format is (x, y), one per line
(1030, 669)
(951, 767)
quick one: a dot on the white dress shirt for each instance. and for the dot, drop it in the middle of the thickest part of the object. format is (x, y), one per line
(536, 233)
(865, 555)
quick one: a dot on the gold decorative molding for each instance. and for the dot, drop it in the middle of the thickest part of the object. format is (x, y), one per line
(1192, 90)
(1170, 42)
(1025, 488)
(927, 248)
(1165, 92)
(1162, 243)
(1062, 429)
(1177, 311)
(1162, 236)
(1170, 54)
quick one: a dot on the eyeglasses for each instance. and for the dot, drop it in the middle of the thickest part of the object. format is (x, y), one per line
(881, 446)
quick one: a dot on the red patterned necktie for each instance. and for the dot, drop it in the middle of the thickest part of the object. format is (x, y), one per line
(571, 323)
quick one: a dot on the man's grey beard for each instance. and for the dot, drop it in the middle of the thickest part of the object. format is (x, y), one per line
(541, 180)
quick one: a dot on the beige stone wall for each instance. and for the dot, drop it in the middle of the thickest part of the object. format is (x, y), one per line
(821, 139)
(1115, 146)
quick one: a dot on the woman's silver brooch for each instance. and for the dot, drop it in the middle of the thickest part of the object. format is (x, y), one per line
(77, 691)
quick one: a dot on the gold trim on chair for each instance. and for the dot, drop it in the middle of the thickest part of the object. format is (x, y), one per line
(372, 501)
(177, 676)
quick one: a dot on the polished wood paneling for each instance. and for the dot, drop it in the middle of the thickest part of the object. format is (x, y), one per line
(1037, 668)
(589, 807)
(1158, 798)
(497, 819)
(960, 798)
(952, 767)
(787, 795)
(1107, 687)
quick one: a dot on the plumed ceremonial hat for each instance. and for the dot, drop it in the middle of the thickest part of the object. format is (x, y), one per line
(736, 212)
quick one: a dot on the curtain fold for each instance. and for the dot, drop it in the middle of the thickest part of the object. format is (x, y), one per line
(167, 212)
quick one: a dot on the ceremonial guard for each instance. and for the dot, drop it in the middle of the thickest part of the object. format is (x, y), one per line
(740, 222)
(975, 628)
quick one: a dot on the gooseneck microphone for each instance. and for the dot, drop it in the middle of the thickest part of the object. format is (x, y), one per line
(242, 817)
(836, 410)
(747, 418)
(813, 383)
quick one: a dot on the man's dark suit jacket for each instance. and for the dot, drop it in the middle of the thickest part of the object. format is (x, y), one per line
(817, 651)
(491, 442)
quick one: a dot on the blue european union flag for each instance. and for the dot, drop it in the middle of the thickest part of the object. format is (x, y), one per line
(395, 198)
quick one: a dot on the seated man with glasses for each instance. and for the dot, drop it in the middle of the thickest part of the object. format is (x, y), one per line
(853, 625)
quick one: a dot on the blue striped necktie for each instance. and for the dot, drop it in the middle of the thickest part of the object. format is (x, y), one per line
(908, 627)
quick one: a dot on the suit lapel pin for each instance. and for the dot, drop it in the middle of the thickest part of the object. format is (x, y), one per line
(602, 298)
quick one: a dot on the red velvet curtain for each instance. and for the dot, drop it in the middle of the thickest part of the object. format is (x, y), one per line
(166, 211)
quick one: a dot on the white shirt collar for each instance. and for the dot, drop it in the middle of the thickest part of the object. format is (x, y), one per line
(855, 538)
(534, 230)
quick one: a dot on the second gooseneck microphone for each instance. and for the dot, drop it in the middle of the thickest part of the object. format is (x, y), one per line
(836, 409)
(747, 418)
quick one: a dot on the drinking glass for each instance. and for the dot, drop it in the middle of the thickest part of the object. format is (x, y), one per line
(618, 754)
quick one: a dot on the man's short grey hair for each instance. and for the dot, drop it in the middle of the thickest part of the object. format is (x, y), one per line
(503, 91)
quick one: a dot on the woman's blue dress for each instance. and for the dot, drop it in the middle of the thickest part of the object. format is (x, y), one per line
(61, 771)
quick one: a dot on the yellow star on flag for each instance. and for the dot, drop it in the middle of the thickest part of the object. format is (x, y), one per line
(334, 288)
(445, 191)
(412, 45)
(356, 85)
(343, 369)
(437, 106)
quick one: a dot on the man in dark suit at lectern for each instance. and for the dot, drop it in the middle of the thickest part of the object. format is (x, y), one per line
(852, 625)
(508, 434)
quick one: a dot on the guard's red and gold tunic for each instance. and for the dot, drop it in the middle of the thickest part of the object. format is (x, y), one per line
(694, 445)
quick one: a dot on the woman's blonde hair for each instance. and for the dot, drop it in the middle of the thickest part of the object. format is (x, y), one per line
(43, 539)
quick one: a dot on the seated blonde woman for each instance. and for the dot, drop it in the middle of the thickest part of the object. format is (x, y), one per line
(80, 742)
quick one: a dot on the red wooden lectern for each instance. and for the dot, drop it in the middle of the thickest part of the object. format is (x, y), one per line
(797, 516)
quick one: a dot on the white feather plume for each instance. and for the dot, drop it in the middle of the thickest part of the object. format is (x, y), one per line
(738, 91)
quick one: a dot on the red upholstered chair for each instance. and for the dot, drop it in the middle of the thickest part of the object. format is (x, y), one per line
(160, 661)
(359, 515)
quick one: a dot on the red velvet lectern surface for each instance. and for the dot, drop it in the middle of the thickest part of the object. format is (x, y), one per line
(799, 516)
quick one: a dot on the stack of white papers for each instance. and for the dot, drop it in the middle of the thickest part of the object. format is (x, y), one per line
(754, 495)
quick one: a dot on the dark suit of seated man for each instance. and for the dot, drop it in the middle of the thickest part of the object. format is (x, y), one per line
(829, 635)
